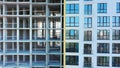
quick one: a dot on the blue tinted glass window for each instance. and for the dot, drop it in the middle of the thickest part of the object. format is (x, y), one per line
(72, 8)
(102, 7)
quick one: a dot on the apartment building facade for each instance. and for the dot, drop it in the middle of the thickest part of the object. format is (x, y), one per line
(31, 33)
(92, 33)
(59, 34)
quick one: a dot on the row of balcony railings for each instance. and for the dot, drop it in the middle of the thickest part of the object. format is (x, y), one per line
(26, 37)
(39, 10)
(36, 48)
(25, 60)
(41, 1)
(34, 25)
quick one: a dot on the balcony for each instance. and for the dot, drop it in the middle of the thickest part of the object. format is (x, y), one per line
(55, 24)
(24, 35)
(39, 10)
(54, 47)
(38, 34)
(24, 9)
(54, 60)
(11, 10)
(38, 47)
(54, 10)
(55, 35)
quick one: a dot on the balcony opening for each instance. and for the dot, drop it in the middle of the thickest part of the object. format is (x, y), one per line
(38, 60)
(38, 34)
(55, 23)
(39, 10)
(24, 47)
(10, 60)
(38, 23)
(24, 23)
(24, 34)
(54, 47)
(55, 34)
(11, 10)
(54, 10)
(11, 22)
(38, 47)
(24, 10)
(11, 47)
(24, 60)
(11, 34)
(54, 59)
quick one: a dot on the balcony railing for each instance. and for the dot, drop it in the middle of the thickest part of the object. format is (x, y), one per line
(38, 50)
(12, 12)
(11, 51)
(24, 38)
(12, 25)
(25, 63)
(38, 63)
(54, 62)
(54, 50)
(24, 51)
(11, 63)
(11, 38)
(38, 38)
